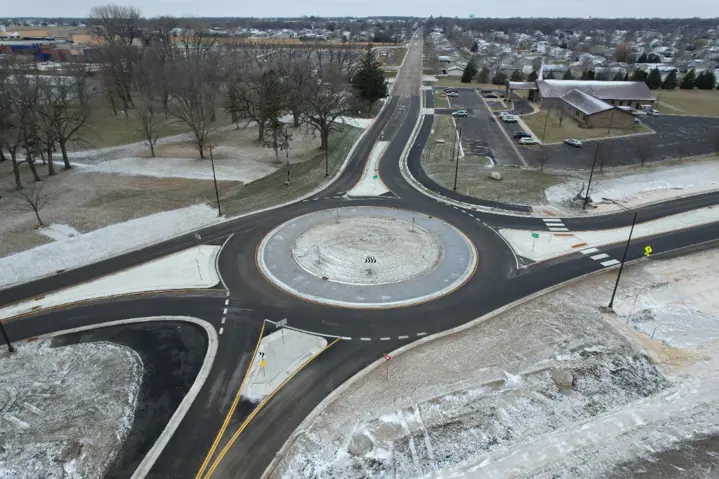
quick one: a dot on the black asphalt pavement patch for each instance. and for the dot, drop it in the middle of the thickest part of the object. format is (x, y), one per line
(172, 354)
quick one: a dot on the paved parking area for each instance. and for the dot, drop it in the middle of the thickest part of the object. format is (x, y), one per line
(674, 137)
(480, 133)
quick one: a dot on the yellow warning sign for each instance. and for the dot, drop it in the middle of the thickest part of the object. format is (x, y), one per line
(263, 363)
(647, 250)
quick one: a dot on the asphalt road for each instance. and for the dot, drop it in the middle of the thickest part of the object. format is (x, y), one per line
(497, 281)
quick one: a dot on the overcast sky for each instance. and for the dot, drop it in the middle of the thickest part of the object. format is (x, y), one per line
(363, 8)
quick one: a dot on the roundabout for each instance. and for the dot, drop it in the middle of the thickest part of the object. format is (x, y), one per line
(367, 257)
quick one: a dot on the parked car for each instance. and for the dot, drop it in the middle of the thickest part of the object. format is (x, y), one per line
(573, 142)
(460, 113)
(509, 119)
(653, 112)
(491, 95)
(521, 134)
(527, 141)
(452, 94)
(483, 91)
(450, 89)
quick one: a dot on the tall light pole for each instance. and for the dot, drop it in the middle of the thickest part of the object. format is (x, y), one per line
(10, 348)
(214, 177)
(456, 162)
(591, 174)
(626, 248)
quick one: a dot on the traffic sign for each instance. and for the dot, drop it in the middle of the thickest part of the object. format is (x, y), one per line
(647, 251)
(263, 363)
(281, 323)
(535, 235)
(375, 177)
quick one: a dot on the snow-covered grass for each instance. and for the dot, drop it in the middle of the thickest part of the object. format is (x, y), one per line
(103, 243)
(65, 412)
(640, 187)
(483, 402)
(550, 245)
(192, 268)
(371, 184)
(59, 232)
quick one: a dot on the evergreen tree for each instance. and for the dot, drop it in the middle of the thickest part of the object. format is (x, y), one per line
(532, 76)
(688, 81)
(500, 78)
(369, 82)
(601, 76)
(626, 76)
(474, 48)
(670, 82)
(638, 75)
(517, 76)
(642, 58)
(567, 75)
(706, 80)
(469, 72)
(654, 80)
(618, 77)
(549, 75)
(483, 76)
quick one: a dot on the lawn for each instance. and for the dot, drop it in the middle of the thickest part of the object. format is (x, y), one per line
(389, 73)
(688, 102)
(305, 177)
(107, 129)
(440, 99)
(570, 129)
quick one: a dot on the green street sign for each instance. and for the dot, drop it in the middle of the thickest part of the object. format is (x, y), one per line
(375, 177)
(535, 235)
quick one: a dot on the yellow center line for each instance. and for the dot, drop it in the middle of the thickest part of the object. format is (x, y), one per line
(257, 410)
(231, 412)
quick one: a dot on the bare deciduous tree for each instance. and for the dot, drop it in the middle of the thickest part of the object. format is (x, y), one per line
(33, 199)
(543, 157)
(147, 114)
(604, 155)
(277, 137)
(643, 147)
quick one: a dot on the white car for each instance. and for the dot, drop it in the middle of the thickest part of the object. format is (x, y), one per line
(527, 140)
(573, 142)
(509, 119)
(653, 112)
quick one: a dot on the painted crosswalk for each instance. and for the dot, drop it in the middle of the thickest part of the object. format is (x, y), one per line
(603, 258)
(555, 224)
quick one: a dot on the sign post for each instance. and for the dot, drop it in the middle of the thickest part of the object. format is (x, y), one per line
(263, 363)
(387, 357)
(534, 239)
(281, 324)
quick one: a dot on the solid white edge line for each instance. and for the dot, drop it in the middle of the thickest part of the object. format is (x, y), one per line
(611, 262)
(217, 263)
(212, 342)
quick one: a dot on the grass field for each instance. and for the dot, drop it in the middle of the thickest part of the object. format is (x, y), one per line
(688, 102)
(570, 128)
(304, 177)
(440, 99)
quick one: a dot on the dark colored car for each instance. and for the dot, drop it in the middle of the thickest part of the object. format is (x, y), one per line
(521, 134)
(491, 95)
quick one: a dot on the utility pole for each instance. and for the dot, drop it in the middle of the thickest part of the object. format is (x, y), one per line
(10, 348)
(594, 162)
(456, 164)
(287, 154)
(626, 249)
(214, 178)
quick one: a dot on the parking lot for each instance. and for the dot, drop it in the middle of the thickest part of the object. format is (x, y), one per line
(480, 133)
(673, 137)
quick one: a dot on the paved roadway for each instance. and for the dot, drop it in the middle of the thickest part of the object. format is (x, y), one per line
(498, 281)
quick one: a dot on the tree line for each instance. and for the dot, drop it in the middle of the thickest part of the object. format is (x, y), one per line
(193, 78)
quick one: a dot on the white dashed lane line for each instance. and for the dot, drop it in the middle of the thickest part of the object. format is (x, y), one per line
(222, 330)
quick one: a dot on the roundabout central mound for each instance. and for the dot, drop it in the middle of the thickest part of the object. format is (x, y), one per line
(367, 257)
(364, 250)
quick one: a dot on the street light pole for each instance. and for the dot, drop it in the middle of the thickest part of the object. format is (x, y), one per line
(214, 178)
(456, 163)
(287, 154)
(591, 173)
(10, 348)
(626, 249)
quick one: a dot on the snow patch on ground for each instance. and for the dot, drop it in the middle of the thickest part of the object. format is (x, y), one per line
(366, 250)
(235, 169)
(192, 268)
(59, 232)
(65, 412)
(483, 402)
(103, 243)
(636, 189)
(550, 245)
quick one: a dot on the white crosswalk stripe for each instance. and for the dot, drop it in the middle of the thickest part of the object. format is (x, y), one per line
(600, 256)
(558, 228)
(611, 262)
(589, 251)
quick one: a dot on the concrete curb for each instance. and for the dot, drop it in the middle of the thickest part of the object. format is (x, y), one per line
(181, 411)
(304, 426)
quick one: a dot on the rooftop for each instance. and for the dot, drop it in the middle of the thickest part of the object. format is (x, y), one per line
(586, 103)
(605, 90)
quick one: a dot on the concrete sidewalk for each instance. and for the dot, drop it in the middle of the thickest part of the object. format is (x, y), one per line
(282, 353)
